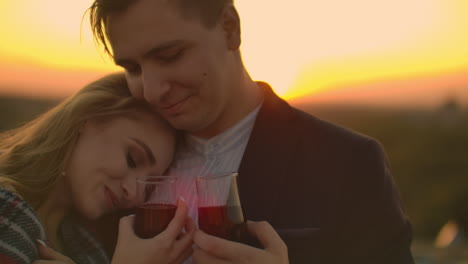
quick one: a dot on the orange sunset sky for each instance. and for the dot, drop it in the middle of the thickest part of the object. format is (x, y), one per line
(383, 52)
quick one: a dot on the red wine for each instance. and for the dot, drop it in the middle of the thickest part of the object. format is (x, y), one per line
(222, 221)
(152, 219)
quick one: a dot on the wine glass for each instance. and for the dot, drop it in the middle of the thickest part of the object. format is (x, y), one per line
(219, 208)
(156, 205)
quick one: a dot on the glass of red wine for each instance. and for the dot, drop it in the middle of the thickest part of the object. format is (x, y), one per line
(219, 208)
(156, 204)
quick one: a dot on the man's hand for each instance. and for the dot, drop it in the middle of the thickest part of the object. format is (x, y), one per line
(170, 246)
(212, 249)
(50, 256)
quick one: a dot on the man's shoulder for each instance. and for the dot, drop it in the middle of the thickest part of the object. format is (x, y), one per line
(314, 127)
(281, 120)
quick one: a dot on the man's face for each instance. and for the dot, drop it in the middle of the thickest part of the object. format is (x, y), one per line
(183, 69)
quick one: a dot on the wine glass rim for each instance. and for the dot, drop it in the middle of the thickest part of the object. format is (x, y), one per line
(217, 176)
(157, 179)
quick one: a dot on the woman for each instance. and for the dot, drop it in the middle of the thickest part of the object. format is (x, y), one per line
(80, 160)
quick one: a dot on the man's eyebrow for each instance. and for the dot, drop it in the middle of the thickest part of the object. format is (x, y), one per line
(151, 52)
(148, 151)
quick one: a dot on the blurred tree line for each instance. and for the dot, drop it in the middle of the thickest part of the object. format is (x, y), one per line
(427, 151)
(14, 111)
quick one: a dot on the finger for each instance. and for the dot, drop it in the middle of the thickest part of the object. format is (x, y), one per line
(189, 227)
(222, 248)
(265, 233)
(201, 257)
(184, 243)
(189, 224)
(48, 253)
(183, 256)
(177, 223)
(126, 226)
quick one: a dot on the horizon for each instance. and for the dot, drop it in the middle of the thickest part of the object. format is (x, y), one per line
(372, 93)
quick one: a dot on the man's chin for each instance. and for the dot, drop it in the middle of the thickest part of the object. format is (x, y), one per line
(185, 124)
(180, 123)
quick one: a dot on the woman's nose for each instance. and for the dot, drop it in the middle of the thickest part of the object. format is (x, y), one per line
(128, 185)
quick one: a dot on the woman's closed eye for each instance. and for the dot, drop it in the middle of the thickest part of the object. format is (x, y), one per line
(136, 157)
(131, 161)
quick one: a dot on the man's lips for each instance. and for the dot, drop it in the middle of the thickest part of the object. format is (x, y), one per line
(113, 200)
(175, 107)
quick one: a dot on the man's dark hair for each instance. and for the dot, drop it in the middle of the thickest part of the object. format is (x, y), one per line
(207, 11)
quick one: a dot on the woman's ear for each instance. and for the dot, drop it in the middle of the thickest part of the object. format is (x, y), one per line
(231, 25)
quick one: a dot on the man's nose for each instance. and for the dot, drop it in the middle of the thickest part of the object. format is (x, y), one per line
(154, 88)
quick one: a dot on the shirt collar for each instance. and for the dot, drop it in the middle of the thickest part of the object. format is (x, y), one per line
(226, 140)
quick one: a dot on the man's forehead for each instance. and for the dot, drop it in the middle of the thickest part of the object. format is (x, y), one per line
(134, 34)
(142, 15)
(140, 10)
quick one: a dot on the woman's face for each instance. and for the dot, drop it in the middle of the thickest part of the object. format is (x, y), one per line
(108, 157)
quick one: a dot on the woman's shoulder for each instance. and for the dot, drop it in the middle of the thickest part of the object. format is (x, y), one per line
(12, 202)
(16, 212)
(7, 186)
(19, 228)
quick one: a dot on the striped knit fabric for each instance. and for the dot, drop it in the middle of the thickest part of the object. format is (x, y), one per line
(20, 227)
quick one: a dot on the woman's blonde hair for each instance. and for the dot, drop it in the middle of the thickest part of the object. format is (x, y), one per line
(33, 156)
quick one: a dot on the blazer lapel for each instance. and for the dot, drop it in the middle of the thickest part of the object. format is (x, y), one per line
(268, 155)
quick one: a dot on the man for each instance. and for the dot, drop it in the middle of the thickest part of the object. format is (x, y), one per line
(327, 191)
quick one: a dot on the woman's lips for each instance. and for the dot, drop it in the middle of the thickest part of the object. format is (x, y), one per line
(112, 198)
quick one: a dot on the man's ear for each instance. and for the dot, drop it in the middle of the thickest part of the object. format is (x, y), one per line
(231, 25)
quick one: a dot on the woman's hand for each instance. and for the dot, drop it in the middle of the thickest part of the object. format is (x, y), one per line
(50, 256)
(212, 249)
(170, 246)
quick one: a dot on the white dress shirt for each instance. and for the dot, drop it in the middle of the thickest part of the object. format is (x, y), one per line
(199, 157)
